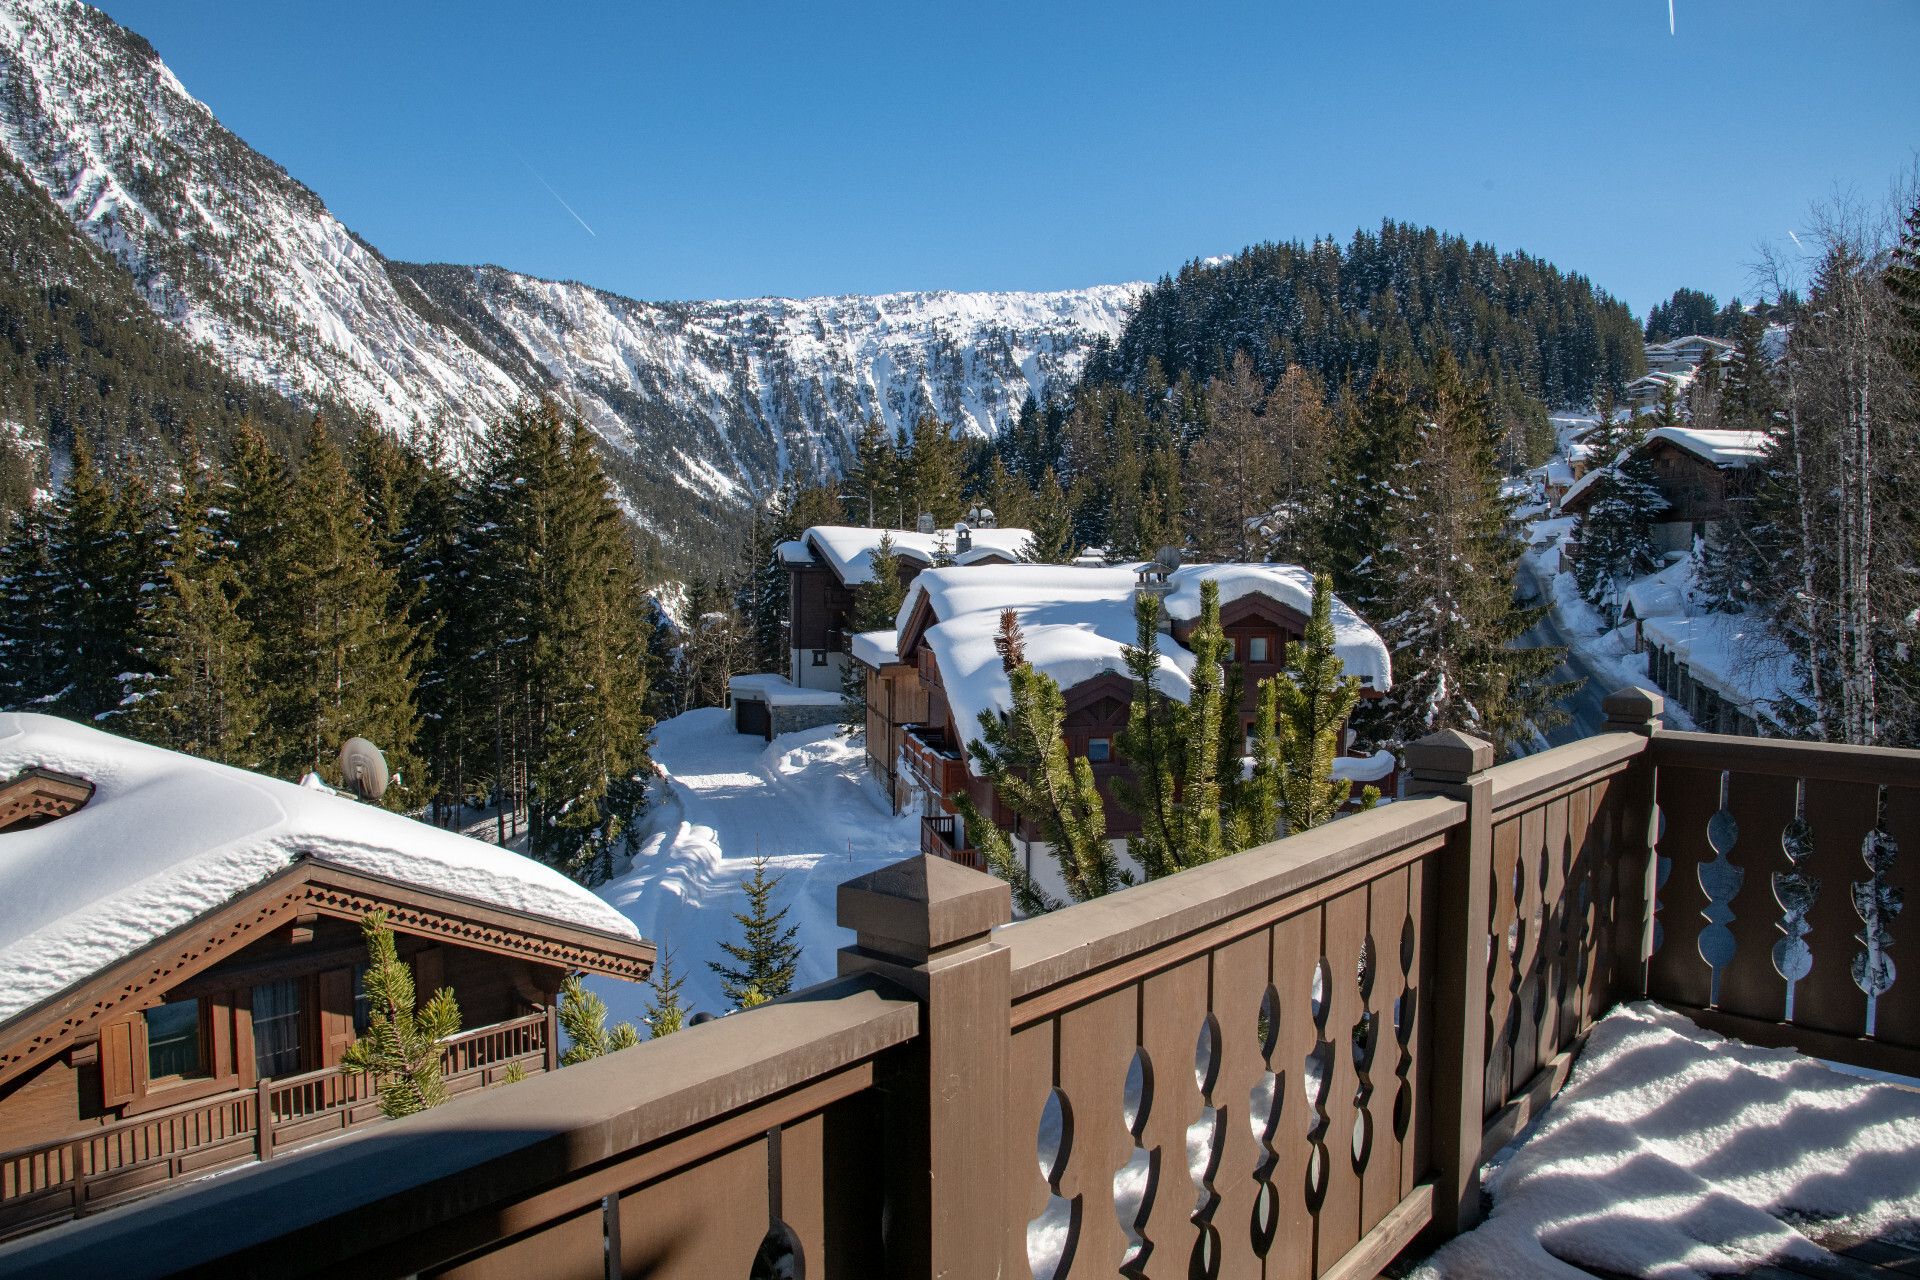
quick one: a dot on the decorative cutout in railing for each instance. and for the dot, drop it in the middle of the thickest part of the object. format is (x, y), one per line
(1796, 891)
(1721, 881)
(1876, 902)
(1205, 1142)
(1133, 1188)
(1051, 1236)
(1366, 1039)
(1264, 1104)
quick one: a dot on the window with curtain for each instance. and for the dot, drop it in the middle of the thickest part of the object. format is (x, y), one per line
(276, 1028)
(173, 1040)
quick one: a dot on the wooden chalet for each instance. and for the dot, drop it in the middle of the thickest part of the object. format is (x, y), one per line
(827, 562)
(1700, 474)
(928, 682)
(184, 958)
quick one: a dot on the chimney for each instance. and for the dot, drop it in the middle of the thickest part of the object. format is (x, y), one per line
(962, 539)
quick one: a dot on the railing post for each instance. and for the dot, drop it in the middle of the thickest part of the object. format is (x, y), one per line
(1454, 765)
(263, 1119)
(553, 1036)
(925, 923)
(1636, 710)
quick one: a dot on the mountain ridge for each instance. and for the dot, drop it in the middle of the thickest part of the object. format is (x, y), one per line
(702, 406)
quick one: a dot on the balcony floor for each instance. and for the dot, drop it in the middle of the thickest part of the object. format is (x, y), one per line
(1675, 1152)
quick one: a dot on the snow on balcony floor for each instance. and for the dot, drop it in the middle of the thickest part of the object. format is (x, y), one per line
(1675, 1153)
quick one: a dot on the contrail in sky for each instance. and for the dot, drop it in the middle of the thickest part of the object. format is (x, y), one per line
(563, 204)
(550, 191)
(1796, 239)
(1669, 17)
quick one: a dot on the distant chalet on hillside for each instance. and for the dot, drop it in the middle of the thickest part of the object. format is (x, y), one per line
(928, 681)
(824, 565)
(183, 958)
(1699, 473)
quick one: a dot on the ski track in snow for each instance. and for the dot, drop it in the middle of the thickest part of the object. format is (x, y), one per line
(805, 801)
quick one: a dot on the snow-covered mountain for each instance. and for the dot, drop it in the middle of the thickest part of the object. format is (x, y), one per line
(701, 404)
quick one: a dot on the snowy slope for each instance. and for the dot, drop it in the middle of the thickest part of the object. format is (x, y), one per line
(698, 401)
(805, 801)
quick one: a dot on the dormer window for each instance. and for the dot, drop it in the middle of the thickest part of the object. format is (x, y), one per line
(40, 796)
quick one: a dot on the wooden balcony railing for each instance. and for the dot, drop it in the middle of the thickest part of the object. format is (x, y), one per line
(1287, 1062)
(78, 1175)
(934, 764)
(939, 838)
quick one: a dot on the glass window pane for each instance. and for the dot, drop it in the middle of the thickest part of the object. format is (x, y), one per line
(362, 1006)
(276, 1028)
(173, 1040)
(1259, 648)
(1098, 750)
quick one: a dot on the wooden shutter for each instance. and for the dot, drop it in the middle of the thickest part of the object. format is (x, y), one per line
(118, 1043)
(336, 1015)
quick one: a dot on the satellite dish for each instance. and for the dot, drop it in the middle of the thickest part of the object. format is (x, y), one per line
(363, 769)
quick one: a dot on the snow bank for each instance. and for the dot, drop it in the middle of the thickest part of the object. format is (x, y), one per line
(1734, 654)
(1673, 1152)
(778, 691)
(849, 548)
(1371, 768)
(1078, 621)
(167, 837)
(805, 801)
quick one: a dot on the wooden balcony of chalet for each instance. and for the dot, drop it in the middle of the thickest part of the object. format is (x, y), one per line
(940, 838)
(1441, 959)
(72, 1177)
(933, 760)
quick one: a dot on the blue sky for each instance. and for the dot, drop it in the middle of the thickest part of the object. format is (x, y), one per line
(742, 148)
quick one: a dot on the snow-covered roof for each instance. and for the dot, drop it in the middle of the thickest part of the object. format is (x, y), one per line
(167, 837)
(876, 648)
(794, 552)
(1734, 654)
(1559, 472)
(848, 549)
(778, 691)
(1675, 344)
(1721, 448)
(1662, 594)
(1078, 620)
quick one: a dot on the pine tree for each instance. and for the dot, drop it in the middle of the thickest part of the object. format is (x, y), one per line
(102, 560)
(257, 530)
(561, 657)
(1052, 541)
(584, 1017)
(933, 474)
(401, 1048)
(1151, 745)
(1234, 475)
(1441, 588)
(665, 1015)
(873, 482)
(1312, 700)
(204, 699)
(1380, 442)
(876, 602)
(357, 658)
(1198, 836)
(766, 957)
(31, 669)
(1615, 535)
(1023, 754)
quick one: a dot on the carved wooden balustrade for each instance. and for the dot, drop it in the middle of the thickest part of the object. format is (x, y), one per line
(1290, 1062)
(72, 1176)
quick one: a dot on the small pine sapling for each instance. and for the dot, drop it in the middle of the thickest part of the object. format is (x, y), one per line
(401, 1049)
(1313, 698)
(665, 1014)
(767, 955)
(584, 1015)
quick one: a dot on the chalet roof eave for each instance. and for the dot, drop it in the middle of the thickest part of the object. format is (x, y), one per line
(308, 886)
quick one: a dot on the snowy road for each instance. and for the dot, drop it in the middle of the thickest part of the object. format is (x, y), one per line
(1585, 712)
(805, 801)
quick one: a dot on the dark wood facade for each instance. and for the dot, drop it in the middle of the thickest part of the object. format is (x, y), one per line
(1695, 488)
(264, 988)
